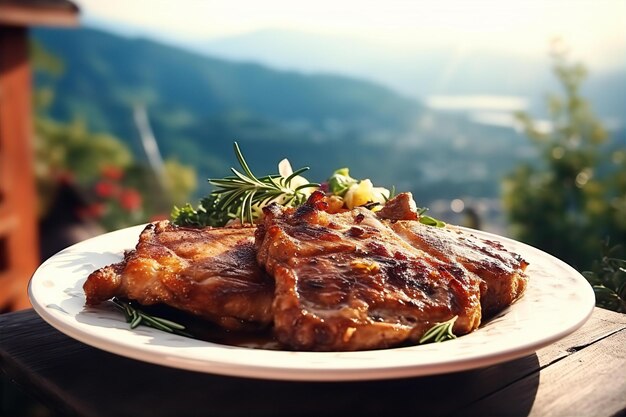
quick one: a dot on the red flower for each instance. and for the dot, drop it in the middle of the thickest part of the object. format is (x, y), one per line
(97, 210)
(65, 177)
(92, 211)
(130, 199)
(106, 189)
(112, 173)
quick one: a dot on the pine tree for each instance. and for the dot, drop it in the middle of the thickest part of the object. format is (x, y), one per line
(572, 200)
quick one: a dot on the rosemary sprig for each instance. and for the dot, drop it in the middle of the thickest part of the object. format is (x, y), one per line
(239, 194)
(135, 317)
(205, 214)
(428, 220)
(440, 332)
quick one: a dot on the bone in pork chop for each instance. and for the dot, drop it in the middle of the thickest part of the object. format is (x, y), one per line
(346, 281)
(209, 272)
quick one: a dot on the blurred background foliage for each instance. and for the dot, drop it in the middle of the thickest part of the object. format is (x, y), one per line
(571, 201)
(572, 198)
(109, 185)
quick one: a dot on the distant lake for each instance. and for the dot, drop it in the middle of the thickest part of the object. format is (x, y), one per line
(470, 103)
(491, 110)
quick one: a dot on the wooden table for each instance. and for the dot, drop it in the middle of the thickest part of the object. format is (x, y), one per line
(581, 375)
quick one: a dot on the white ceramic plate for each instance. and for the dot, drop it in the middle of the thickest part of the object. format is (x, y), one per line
(558, 301)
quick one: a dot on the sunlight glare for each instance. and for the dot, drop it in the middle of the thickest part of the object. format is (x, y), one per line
(594, 27)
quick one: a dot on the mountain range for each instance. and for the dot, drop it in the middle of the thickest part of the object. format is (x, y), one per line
(199, 104)
(420, 72)
(202, 102)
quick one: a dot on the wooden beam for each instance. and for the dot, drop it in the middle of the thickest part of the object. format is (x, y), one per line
(18, 204)
(38, 13)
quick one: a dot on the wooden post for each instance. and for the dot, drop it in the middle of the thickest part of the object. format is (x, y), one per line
(18, 215)
(19, 245)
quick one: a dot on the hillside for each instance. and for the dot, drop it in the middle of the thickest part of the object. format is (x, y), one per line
(199, 105)
(192, 99)
(435, 70)
(116, 71)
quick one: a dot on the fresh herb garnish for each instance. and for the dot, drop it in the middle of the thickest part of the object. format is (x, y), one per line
(429, 221)
(206, 214)
(242, 196)
(440, 332)
(136, 316)
(340, 182)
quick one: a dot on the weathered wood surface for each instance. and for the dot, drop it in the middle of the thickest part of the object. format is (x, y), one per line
(581, 375)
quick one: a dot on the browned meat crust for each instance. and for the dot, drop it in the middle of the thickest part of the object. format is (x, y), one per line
(347, 282)
(501, 272)
(401, 207)
(208, 272)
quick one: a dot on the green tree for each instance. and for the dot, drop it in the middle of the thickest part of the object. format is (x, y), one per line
(573, 198)
(121, 190)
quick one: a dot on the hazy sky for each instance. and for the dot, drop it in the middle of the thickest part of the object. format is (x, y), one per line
(596, 29)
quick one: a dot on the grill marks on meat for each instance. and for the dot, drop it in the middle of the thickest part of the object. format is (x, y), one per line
(208, 272)
(347, 282)
(501, 272)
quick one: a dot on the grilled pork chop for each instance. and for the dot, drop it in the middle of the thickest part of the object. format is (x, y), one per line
(346, 281)
(210, 272)
(501, 272)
